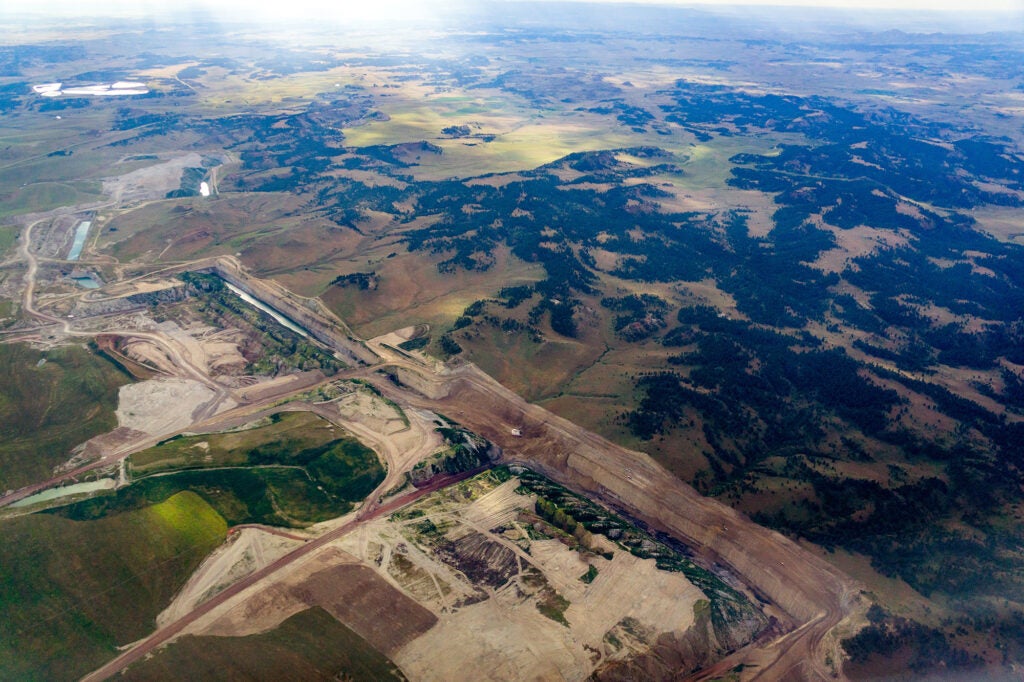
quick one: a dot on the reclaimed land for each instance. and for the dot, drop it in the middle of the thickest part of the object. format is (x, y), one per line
(290, 472)
(311, 645)
(50, 401)
(90, 586)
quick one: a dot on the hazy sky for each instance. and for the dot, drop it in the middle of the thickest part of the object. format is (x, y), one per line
(405, 9)
(923, 5)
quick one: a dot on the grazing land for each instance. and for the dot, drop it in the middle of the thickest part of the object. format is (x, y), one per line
(91, 586)
(50, 402)
(311, 645)
(291, 472)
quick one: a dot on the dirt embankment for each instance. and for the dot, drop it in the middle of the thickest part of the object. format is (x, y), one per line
(809, 596)
(309, 313)
(505, 629)
(246, 551)
(151, 182)
(104, 305)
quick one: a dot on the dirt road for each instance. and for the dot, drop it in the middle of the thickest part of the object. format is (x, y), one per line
(804, 593)
(809, 595)
(165, 634)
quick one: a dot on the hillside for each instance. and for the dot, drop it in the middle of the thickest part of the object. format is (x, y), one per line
(783, 258)
(88, 587)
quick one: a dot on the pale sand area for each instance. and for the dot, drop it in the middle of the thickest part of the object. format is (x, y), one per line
(161, 406)
(246, 551)
(505, 636)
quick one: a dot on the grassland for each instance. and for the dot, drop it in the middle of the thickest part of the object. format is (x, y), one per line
(523, 138)
(521, 113)
(72, 591)
(412, 291)
(290, 431)
(291, 472)
(49, 403)
(44, 196)
(534, 369)
(310, 645)
(8, 236)
(188, 228)
(44, 166)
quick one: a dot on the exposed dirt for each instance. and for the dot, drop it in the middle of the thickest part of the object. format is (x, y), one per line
(215, 352)
(487, 580)
(808, 594)
(352, 593)
(483, 574)
(478, 589)
(102, 446)
(495, 640)
(148, 353)
(400, 437)
(247, 550)
(152, 182)
(398, 336)
(161, 406)
(257, 389)
(135, 287)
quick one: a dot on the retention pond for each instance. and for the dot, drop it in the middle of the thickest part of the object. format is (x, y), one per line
(81, 232)
(65, 490)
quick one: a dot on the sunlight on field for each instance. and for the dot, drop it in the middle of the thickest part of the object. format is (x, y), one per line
(708, 164)
(412, 291)
(233, 90)
(524, 140)
(1003, 223)
(538, 143)
(416, 116)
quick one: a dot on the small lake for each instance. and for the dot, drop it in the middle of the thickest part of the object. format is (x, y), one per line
(80, 234)
(65, 490)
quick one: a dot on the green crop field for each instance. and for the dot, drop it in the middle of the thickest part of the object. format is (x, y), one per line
(49, 403)
(310, 645)
(72, 591)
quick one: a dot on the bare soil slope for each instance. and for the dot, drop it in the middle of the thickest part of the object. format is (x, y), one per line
(809, 595)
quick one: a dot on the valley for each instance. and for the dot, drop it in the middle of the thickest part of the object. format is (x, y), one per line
(647, 344)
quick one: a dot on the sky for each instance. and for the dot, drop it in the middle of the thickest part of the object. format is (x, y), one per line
(406, 9)
(922, 5)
